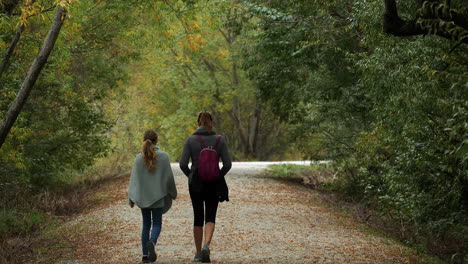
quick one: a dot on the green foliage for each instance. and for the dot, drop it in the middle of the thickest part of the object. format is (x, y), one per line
(189, 64)
(408, 163)
(390, 112)
(439, 17)
(62, 126)
(322, 101)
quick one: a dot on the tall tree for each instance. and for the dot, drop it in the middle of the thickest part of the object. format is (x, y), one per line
(33, 73)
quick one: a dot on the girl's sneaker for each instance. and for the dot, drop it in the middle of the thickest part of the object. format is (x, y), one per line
(197, 257)
(205, 254)
(145, 259)
(152, 252)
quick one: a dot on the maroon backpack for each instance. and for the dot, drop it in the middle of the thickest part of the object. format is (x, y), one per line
(208, 161)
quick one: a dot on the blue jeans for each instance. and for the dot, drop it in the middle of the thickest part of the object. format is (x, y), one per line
(152, 217)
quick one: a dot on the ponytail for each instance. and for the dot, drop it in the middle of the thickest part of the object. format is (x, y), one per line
(205, 120)
(149, 155)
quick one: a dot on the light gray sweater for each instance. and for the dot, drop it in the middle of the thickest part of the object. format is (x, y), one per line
(154, 189)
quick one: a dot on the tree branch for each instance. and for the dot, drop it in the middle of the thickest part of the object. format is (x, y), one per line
(224, 35)
(394, 25)
(12, 46)
(11, 49)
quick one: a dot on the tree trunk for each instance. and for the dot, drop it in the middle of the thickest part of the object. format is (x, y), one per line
(32, 74)
(254, 122)
(11, 49)
(236, 111)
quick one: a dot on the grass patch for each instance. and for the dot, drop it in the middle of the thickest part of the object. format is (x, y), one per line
(17, 227)
(106, 167)
(319, 175)
(97, 197)
(17, 222)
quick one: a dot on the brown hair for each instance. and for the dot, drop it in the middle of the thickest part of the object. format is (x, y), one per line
(149, 155)
(205, 120)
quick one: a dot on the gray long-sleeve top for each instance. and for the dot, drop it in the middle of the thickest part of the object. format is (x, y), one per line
(192, 148)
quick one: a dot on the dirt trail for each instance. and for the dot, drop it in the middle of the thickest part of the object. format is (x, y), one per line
(266, 221)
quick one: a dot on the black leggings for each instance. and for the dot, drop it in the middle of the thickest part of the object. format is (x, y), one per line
(208, 199)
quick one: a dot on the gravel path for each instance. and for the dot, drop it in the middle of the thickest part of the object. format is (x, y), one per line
(266, 221)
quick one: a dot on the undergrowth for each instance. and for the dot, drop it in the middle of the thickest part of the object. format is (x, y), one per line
(27, 210)
(322, 177)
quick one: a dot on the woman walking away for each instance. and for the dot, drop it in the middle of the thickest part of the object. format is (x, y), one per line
(152, 188)
(207, 186)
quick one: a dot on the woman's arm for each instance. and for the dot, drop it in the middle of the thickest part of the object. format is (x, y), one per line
(225, 157)
(171, 186)
(184, 159)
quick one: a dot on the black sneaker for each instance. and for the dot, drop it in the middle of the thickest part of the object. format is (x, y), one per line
(205, 254)
(145, 259)
(152, 252)
(197, 257)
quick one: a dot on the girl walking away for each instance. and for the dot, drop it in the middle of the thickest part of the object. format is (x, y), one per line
(207, 186)
(152, 188)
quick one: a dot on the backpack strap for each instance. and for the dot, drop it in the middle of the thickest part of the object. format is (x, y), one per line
(201, 141)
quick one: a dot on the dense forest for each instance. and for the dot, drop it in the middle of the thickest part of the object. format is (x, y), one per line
(378, 87)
